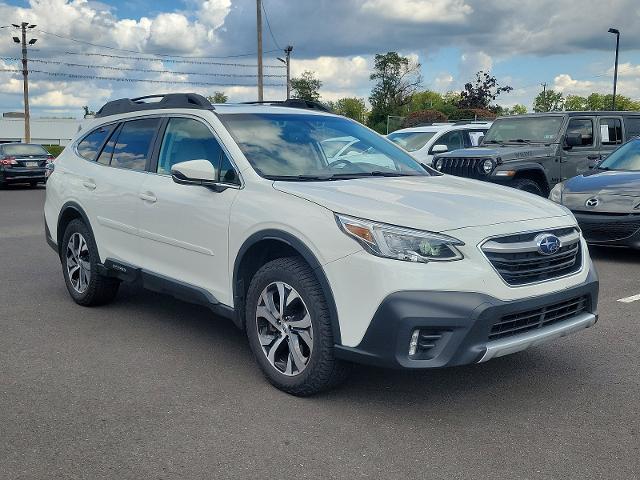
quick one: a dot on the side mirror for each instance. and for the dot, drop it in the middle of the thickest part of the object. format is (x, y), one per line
(194, 172)
(439, 148)
(573, 140)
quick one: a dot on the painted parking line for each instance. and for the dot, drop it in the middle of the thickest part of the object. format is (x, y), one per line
(633, 298)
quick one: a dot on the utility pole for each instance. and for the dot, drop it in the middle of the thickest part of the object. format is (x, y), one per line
(25, 76)
(259, 27)
(544, 96)
(287, 61)
(616, 32)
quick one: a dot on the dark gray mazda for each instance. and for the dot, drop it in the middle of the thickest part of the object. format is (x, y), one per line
(606, 200)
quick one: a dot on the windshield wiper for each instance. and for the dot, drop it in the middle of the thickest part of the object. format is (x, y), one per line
(499, 142)
(521, 140)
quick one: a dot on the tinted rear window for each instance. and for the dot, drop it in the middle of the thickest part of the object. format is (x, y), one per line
(19, 150)
(88, 148)
(133, 146)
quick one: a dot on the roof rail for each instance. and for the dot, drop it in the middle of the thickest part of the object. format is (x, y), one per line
(169, 100)
(294, 103)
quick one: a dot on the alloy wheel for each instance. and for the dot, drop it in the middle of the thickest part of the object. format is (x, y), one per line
(284, 328)
(78, 265)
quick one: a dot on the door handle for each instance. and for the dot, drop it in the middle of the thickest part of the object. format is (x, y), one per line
(89, 184)
(593, 157)
(148, 197)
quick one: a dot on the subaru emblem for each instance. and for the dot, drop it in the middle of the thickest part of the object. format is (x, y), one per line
(548, 244)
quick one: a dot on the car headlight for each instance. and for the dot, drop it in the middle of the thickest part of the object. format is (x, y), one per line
(438, 164)
(556, 193)
(400, 243)
(487, 166)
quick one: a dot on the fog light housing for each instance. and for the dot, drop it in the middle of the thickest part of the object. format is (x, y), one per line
(424, 343)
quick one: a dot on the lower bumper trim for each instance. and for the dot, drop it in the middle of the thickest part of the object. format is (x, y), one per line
(517, 343)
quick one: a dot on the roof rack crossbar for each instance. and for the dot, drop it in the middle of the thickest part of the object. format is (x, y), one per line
(169, 100)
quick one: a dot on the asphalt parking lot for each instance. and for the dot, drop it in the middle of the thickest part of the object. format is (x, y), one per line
(151, 387)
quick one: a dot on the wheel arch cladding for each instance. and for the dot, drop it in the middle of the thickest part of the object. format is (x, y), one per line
(70, 211)
(267, 245)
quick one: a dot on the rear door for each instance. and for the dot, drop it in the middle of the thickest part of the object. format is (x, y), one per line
(576, 160)
(610, 133)
(122, 163)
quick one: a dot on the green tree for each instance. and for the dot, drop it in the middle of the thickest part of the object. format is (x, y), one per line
(397, 79)
(481, 92)
(427, 100)
(548, 101)
(306, 86)
(517, 109)
(351, 107)
(575, 103)
(218, 97)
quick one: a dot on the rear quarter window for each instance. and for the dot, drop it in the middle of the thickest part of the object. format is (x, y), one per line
(90, 145)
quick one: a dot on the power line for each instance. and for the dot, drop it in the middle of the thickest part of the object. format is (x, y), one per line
(165, 60)
(126, 79)
(266, 17)
(145, 70)
(108, 47)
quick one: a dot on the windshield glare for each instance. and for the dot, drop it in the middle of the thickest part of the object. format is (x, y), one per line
(627, 157)
(411, 141)
(532, 129)
(23, 149)
(287, 146)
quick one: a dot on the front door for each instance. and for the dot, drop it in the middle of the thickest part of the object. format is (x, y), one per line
(184, 228)
(577, 160)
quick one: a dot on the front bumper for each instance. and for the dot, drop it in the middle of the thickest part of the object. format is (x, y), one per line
(23, 175)
(463, 321)
(607, 229)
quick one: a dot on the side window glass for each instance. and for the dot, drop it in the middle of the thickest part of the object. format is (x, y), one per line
(584, 127)
(107, 151)
(610, 131)
(89, 147)
(187, 139)
(132, 147)
(453, 140)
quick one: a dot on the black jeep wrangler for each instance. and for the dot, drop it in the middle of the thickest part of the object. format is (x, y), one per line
(534, 152)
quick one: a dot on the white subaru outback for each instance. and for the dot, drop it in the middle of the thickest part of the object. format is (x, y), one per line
(369, 258)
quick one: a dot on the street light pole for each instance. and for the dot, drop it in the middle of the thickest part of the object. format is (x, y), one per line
(616, 32)
(287, 61)
(25, 76)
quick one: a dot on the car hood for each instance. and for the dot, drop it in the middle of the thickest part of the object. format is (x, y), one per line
(614, 192)
(437, 203)
(506, 152)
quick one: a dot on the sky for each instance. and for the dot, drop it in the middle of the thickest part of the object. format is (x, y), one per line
(563, 43)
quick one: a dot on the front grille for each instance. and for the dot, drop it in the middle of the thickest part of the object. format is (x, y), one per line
(518, 261)
(516, 323)
(463, 167)
(609, 230)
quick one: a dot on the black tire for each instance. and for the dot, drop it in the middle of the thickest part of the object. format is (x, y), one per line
(99, 289)
(528, 185)
(323, 371)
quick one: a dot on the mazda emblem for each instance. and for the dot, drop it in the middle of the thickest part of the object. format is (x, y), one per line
(592, 202)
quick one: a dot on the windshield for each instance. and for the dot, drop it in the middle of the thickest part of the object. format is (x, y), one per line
(19, 150)
(524, 129)
(411, 141)
(627, 157)
(300, 147)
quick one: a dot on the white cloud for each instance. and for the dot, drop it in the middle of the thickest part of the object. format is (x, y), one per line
(417, 11)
